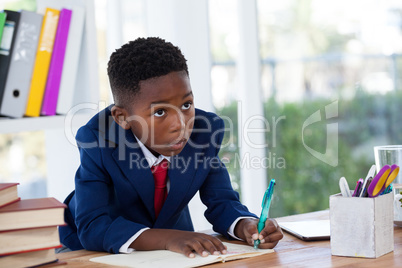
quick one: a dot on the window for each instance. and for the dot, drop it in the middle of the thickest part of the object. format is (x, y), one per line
(316, 54)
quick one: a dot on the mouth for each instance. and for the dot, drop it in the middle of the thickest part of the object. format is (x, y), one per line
(178, 144)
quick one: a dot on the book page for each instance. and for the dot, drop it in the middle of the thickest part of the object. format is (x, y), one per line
(169, 259)
(241, 251)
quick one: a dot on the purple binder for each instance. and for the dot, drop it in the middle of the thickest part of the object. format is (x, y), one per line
(49, 102)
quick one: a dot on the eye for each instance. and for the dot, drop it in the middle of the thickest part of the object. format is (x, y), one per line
(186, 106)
(160, 113)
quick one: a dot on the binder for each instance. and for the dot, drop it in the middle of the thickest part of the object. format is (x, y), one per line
(56, 64)
(6, 47)
(42, 62)
(83, 89)
(71, 59)
(21, 65)
(2, 21)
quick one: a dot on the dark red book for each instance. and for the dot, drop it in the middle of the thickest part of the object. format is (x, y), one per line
(29, 259)
(31, 213)
(8, 193)
(17, 241)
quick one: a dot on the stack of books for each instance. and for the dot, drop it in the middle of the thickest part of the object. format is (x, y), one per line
(28, 228)
(39, 57)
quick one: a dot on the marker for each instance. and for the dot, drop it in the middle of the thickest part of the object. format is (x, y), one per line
(266, 202)
(358, 188)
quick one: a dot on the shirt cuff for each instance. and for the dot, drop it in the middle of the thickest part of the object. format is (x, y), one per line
(232, 227)
(125, 247)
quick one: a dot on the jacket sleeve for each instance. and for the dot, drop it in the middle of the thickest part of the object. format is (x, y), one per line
(94, 192)
(223, 204)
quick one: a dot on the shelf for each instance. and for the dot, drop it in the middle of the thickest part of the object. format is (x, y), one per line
(8, 125)
(61, 157)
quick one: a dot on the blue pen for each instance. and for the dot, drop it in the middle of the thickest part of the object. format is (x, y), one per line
(266, 202)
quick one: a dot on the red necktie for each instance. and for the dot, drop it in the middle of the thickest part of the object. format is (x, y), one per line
(160, 171)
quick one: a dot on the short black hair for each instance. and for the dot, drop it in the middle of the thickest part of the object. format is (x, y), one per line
(139, 60)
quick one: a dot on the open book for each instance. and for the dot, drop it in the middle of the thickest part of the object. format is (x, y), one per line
(167, 259)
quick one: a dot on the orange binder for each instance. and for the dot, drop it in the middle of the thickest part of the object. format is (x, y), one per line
(42, 62)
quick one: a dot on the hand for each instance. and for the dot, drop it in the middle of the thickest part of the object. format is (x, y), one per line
(269, 237)
(184, 242)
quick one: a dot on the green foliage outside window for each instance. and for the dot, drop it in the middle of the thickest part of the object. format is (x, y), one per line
(305, 183)
(18, 5)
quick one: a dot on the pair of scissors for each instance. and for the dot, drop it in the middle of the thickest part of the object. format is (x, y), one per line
(382, 180)
(369, 176)
(344, 186)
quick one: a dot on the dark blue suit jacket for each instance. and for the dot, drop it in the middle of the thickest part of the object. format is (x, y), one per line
(114, 187)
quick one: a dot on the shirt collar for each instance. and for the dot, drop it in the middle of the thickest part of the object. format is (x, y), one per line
(151, 159)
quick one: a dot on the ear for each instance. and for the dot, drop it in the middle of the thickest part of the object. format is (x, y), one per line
(119, 115)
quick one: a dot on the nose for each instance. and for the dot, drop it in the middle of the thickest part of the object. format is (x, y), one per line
(178, 122)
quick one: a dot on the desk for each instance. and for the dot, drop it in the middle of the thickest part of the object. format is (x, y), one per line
(290, 252)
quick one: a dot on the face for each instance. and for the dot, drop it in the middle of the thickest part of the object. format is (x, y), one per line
(162, 114)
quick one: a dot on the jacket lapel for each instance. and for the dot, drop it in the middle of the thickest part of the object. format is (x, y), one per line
(129, 157)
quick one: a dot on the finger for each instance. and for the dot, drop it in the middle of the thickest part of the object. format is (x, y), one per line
(250, 241)
(188, 251)
(276, 236)
(271, 226)
(251, 232)
(219, 246)
(268, 245)
(255, 236)
(197, 247)
(272, 239)
(209, 246)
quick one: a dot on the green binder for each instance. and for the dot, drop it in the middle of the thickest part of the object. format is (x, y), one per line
(2, 21)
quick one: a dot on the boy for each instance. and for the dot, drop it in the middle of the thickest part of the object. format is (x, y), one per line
(115, 206)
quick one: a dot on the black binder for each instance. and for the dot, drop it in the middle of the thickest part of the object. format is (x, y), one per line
(7, 44)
